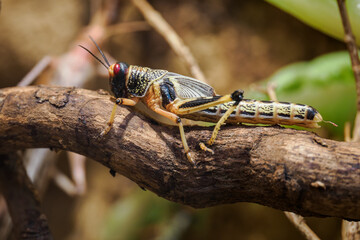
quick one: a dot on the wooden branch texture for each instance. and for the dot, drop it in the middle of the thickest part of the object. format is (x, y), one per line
(282, 168)
(22, 200)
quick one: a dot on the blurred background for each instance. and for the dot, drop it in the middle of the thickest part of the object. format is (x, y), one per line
(237, 44)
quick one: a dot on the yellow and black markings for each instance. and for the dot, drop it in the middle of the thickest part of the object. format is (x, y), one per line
(175, 96)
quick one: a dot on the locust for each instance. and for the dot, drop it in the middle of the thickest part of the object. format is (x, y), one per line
(178, 97)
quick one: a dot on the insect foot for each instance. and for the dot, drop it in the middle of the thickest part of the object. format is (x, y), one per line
(105, 131)
(190, 158)
(205, 148)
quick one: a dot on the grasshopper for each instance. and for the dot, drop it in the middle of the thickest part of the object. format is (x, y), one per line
(175, 96)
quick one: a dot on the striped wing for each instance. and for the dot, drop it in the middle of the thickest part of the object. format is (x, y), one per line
(187, 87)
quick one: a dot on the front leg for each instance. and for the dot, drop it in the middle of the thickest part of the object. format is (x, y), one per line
(118, 101)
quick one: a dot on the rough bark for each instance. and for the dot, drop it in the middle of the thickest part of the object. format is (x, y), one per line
(282, 168)
(22, 201)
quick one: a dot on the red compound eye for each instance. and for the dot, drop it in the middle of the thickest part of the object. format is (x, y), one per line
(116, 69)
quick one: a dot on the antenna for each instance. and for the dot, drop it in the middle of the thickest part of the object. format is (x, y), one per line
(94, 56)
(102, 54)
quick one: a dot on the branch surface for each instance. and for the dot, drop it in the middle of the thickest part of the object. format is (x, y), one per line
(282, 168)
(22, 200)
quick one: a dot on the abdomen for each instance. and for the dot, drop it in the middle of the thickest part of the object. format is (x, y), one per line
(263, 112)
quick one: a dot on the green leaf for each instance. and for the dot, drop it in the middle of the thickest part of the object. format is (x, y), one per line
(323, 15)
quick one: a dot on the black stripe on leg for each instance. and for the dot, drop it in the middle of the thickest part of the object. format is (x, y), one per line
(199, 101)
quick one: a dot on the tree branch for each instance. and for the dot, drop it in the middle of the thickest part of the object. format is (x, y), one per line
(22, 201)
(282, 168)
(300, 224)
(351, 230)
(349, 39)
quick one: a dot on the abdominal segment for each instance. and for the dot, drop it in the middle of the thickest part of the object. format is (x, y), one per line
(262, 112)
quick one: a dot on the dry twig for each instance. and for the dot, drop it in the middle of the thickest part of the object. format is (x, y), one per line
(351, 230)
(272, 166)
(35, 71)
(22, 201)
(351, 45)
(77, 168)
(155, 19)
(299, 222)
(126, 27)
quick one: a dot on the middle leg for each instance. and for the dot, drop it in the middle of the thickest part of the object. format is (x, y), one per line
(177, 120)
